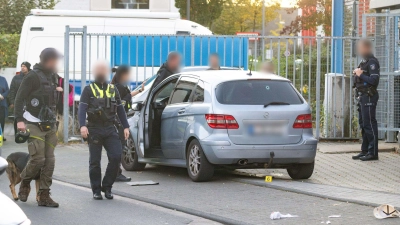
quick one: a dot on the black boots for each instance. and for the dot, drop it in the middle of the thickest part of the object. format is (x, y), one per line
(97, 196)
(122, 178)
(361, 154)
(108, 194)
(369, 157)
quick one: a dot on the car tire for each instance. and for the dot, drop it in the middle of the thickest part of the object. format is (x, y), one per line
(129, 157)
(198, 167)
(301, 171)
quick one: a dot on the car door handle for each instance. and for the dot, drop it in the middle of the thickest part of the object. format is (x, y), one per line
(181, 111)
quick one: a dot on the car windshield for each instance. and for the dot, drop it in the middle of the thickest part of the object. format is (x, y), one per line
(257, 92)
(147, 82)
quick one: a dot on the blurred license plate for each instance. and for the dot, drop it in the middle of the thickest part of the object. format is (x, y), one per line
(275, 128)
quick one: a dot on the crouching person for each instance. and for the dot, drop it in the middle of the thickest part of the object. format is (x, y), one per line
(39, 95)
(101, 103)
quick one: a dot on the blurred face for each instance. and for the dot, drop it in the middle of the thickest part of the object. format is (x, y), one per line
(362, 49)
(51, 65)
(268, 68)
(214, 62)
(101, 71)
(124, 78)
(24, 69)
(174, 63)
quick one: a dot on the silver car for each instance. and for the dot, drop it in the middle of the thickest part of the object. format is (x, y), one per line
(149, 82)
(203, 119)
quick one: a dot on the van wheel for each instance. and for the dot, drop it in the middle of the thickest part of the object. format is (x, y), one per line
(301, 171)
(129, 156)
(198, 167)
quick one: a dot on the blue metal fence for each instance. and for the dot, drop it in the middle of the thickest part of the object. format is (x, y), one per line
(152, 51)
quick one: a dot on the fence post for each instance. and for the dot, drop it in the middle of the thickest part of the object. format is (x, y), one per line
(318, 87)
(84, 52)
(66, 84)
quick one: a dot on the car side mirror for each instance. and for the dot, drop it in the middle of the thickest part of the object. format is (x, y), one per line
(138, 106)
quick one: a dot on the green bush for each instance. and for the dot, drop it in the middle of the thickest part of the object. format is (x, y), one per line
(8, 49)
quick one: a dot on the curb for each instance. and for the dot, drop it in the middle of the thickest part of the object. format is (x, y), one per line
(394, 150)
(294, 190)
(167, 205)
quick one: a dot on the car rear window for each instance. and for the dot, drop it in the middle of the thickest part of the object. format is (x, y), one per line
(256, 92)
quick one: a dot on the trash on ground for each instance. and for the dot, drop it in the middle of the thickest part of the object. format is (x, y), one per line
(278, 215)
(142, 183)
(328, 222)
(386, 211)
(334, 216)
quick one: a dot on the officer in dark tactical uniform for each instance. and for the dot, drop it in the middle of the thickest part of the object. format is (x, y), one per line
(366, 80)
(101, 103)
(38, 91)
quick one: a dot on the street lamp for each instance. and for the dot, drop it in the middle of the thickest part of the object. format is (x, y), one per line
(188, 9)
(263, 30)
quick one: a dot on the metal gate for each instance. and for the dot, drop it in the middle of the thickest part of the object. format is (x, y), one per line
(383, 30)
(309, 62)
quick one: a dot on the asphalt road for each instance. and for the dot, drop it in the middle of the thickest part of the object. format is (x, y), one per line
(221, 199)
(77, 207)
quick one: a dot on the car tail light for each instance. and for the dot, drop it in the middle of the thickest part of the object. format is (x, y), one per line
(303, 121)
(17, 73)
(218, 121)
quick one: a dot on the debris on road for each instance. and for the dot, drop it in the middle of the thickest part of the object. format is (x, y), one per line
(278, 215)
(142, 183)
(386, 211)
(334, 216)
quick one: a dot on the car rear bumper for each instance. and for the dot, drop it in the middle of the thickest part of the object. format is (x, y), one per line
(226, 153)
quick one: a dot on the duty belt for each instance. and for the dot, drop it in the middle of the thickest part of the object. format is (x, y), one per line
(100, 124)
(370, 91)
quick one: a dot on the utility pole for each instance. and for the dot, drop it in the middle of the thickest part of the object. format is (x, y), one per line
(188, 9)
(263, 31)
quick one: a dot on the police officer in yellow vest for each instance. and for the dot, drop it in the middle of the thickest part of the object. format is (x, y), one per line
(101, 103)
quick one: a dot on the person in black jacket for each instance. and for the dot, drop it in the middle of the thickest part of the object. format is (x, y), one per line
(167, 69)
(15, 83)
(366, 81)
(122, 83)
(99, 107)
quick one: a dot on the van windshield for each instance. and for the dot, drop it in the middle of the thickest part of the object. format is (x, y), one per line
(257, 92)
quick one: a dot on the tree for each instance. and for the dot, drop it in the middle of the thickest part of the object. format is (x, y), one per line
(314, 13)
(204, 12)
(244, 15)
(13, 13)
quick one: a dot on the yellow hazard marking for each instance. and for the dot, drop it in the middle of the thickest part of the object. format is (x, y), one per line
(268, 179)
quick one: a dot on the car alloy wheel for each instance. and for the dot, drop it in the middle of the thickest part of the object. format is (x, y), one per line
(129, 152)
(194, 160)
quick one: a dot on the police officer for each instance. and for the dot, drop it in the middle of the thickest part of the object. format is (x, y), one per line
(121, 80)
(366, 80)
(39, 91)
(101, 103)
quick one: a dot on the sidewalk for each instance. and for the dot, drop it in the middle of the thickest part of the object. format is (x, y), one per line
(339, 177)
(352, 147)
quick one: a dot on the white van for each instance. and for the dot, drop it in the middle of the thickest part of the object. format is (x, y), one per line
(46, 28)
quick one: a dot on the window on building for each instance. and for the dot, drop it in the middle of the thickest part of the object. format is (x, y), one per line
(130, 4)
